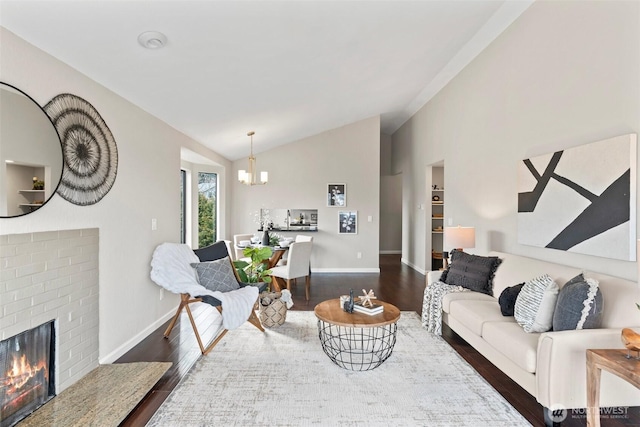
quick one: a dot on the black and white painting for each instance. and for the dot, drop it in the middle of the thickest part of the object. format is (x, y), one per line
(581, 199)
(337, 195)
(348, 222)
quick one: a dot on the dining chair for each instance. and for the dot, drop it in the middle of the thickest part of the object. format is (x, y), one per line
(237, 238)
(298, 258)
(305, 238)
(230, 250)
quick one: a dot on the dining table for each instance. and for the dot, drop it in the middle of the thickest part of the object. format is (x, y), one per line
(276, 256)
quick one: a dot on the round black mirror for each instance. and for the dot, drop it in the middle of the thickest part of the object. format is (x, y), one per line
(30, 154)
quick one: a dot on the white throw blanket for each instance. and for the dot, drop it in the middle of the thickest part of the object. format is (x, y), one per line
(171, 269)
(286, 298)
(432, 305)
(236, 305)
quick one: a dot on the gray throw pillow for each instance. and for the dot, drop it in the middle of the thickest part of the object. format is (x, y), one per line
(536, 303)
(579, 305)
(216, 275)
(471, 271)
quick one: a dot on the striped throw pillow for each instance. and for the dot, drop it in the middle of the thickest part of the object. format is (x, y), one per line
(535, 304)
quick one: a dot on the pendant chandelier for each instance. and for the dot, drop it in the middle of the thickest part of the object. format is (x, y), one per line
(249, 177)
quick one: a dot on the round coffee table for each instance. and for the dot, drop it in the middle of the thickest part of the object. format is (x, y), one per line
(357, 341)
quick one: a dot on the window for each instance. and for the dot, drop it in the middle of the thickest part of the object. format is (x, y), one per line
(207, 208)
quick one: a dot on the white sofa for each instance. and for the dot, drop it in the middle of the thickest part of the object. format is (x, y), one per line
(551, 365)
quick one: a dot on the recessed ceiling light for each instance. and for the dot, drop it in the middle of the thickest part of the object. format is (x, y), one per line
(152, 39)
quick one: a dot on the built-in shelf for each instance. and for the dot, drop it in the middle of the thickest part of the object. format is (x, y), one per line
(31, 196)
(437, 218)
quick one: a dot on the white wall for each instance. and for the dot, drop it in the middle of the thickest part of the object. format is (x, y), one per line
(298, 176)
(564, 74)
(146, 187)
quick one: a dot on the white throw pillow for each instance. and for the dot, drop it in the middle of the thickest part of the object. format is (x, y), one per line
(535, 304)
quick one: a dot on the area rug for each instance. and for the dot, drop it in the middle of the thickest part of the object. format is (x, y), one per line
(283, 378)
(102, 398)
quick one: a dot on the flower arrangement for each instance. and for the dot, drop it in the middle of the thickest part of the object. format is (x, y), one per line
(263, 218)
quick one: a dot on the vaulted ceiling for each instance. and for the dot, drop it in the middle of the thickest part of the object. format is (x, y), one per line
(284, 69)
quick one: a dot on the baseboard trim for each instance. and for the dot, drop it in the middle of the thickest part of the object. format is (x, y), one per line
(120, 351)
(392, 252)
(415, 267)
(345, 270)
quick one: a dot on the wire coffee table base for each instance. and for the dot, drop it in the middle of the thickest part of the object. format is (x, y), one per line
(357, 348)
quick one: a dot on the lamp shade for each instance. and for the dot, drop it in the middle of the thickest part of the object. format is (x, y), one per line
(460, 237)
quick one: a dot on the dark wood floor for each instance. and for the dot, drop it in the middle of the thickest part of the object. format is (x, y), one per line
(396, 283)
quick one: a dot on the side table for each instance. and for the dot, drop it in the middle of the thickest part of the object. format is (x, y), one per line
(615, 362)
(357, 341)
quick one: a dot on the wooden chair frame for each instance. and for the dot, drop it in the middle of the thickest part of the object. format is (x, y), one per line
(186, 299)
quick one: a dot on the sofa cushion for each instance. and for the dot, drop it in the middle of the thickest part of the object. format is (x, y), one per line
(508, 298)
(535, 304)
(511, 340)
(579, 305)
(474, 314)
(216, 275)
(471, 271)
(463, 296)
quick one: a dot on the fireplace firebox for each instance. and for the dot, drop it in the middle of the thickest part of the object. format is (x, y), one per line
(27, 373)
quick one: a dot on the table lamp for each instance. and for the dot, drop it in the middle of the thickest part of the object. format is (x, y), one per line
(459, 238)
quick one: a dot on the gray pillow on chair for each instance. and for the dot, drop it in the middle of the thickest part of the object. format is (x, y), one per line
(216, 275)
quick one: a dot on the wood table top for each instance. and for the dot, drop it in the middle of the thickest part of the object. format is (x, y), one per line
(331, 312)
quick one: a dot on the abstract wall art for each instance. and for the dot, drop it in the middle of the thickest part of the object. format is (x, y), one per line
(581, 199)
(88, 147)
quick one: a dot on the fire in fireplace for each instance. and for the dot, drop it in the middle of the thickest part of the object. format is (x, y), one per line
(26, 373)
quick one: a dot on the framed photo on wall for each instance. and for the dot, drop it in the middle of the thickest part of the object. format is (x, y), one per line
(348, 222)
(337, 195)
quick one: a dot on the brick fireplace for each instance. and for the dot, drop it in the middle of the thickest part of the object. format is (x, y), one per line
(53, 276)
